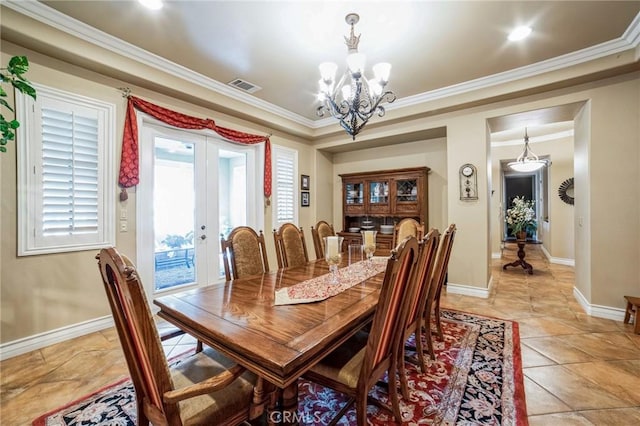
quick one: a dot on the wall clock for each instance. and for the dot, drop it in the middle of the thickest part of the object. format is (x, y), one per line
(565, 192)
(468, 182)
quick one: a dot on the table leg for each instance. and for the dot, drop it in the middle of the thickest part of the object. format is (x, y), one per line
(526, 266)
(286, 411)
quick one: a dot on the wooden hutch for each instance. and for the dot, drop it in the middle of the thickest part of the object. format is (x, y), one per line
(382, 198)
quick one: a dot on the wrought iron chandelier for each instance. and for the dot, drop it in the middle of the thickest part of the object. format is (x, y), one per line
(527, 161)
(353, 100)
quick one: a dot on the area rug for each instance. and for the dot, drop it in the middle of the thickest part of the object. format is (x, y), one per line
(476, 379)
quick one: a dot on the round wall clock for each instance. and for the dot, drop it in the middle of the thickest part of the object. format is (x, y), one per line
(565, 192)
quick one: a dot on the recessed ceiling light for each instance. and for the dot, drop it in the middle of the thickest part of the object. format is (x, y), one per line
(519, 33)
(151, 4)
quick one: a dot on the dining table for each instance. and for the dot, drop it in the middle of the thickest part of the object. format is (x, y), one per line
(247, 320)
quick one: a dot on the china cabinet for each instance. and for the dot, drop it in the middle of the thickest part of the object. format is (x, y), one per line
(372, 199)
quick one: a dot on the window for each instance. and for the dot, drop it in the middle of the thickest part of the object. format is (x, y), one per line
(66, 179)
(285, 171)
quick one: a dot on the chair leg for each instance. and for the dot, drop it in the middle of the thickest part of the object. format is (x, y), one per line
(344, 410)
(436, 314)
(361, 409)
(143, 420)
(426, 328)
(402, 373)
(627, 313)
(420, 348)
(393, 391)
(199, 346)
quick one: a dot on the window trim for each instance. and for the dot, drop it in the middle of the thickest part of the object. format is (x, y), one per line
(28, 150)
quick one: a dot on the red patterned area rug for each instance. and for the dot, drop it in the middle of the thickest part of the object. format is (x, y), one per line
(476, 379)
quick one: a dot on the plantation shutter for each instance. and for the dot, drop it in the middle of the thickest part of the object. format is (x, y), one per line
(69, 173)
(66, 173)
(285, 162)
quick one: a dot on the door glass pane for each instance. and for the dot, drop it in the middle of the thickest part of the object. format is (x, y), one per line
(232, 192)
(173, 213)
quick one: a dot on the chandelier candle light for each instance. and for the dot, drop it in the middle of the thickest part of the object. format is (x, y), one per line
(353, 100)
(527, 161)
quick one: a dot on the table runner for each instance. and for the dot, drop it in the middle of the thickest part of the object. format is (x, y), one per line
(320, 288)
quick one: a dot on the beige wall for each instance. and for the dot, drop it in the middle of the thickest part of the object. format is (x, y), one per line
(557, 235)
(44, 293)
(582, 202)
(614, 204)
(48, 292)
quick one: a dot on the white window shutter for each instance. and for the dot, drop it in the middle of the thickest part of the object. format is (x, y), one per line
(66, 173)
(285, 164)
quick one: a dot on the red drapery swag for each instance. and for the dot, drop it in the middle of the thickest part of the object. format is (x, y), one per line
(129, 170)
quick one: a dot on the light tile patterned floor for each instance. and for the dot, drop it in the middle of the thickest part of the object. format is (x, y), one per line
(579, 370)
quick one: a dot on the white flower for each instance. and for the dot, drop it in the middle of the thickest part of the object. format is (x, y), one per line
(522, 216)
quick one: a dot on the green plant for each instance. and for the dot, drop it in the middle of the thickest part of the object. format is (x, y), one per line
(13, 74)
(522, 216)
(176, 241)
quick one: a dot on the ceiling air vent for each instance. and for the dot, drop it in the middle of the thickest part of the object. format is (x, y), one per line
(244, 85)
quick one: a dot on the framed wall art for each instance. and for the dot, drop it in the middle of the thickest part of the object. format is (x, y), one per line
(304, 182)
(304, 199)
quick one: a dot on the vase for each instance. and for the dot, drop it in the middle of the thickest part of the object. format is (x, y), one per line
(521, 236)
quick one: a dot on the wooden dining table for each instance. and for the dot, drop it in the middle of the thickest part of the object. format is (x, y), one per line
(276, 342)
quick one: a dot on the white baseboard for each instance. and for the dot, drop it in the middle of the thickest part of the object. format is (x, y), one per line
(558, 260)
(39, 341)
(600, 311)
(467, 290)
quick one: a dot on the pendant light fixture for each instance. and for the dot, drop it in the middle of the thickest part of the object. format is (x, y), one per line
(353, 99)
(528, 161)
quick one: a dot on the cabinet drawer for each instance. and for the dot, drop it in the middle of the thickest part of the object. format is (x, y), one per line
(407, 208)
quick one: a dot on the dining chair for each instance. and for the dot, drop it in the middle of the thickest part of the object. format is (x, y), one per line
(356, 366)
(432, 307)
(243, 253)
(291, 249)
(404, 228)
(204, 388)
(167, 332)
(417, 301)
(321, 230)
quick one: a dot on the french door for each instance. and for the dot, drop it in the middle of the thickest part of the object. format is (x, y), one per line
(194, 186)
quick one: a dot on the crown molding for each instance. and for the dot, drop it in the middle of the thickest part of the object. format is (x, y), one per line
(533, 140)
(71, 26)
(42, 13)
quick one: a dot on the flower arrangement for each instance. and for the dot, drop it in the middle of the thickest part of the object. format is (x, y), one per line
(521, 217)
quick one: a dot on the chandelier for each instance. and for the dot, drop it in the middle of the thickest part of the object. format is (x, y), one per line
(353, 100)
(527, 161)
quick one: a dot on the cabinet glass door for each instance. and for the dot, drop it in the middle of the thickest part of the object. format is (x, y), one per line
(379, 196)
(406, 190)
(354, 193)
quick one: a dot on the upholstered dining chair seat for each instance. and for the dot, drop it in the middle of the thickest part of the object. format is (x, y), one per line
(343, 365)
(214, 408)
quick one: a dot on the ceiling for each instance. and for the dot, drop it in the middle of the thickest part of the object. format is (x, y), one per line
(434, 46)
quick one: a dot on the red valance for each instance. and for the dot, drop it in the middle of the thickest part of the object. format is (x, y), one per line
(129, 162)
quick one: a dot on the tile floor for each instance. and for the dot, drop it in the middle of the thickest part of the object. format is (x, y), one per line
(579, 370)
